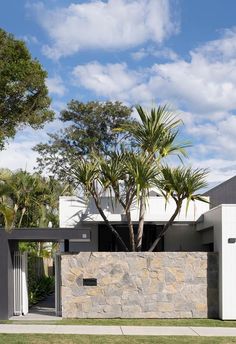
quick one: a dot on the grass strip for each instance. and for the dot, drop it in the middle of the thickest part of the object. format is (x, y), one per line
(82, 339)
(130, 322)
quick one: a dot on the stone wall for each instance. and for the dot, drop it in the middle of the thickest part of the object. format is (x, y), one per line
(140, 285)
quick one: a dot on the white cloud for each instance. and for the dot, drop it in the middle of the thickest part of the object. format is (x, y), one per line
(164, 52)
(220, 169)
(55, 85)
(203, 86)
(113, 80)
(30, 39)
(199, 85)
(19, 155)
(217, 137)
(223, 48)
(112, 24)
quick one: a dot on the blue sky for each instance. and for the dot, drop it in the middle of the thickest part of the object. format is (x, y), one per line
(181, 52)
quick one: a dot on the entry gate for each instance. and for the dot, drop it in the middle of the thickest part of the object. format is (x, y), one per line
(20, 270)
(20, 267)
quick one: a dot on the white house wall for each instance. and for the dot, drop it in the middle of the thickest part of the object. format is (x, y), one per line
(228, 262)
(223, 220)
(74, 210)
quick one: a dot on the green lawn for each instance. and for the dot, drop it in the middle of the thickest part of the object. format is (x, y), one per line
(134, 322)
(72, 339)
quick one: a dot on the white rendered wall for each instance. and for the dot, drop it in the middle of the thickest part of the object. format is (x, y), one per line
(223, 219)
(74, 210)
(228, 262)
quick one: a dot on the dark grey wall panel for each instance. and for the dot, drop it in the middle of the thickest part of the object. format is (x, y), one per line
(4, 252)
(225, 193)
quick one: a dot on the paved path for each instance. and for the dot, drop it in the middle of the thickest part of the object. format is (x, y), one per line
(119, 330)
(43, 310)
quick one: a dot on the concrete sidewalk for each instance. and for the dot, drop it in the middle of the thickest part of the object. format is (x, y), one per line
(119, 330)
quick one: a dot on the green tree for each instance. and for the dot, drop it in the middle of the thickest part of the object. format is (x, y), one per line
(86, 174)
(129, 174)
(30, 200)
(90, 129)
(180, 184)
(23, 94)
(156, 136)
(156, 133)
(6, 210)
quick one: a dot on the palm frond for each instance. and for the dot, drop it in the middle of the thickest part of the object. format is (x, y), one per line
(156, 132)
(183, 183)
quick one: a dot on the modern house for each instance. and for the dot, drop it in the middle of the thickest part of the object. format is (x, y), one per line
(205, 227)
(192, 274)
(182, 236)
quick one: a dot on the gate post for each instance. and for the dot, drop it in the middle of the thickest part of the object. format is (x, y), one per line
(7, 248)
(4, 258)
(58, 284)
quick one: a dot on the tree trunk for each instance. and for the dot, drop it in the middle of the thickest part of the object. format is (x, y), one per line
(112, 229)
(165, 228)
(131, 231)
(126, 206)
(21, 217)
(140, 224)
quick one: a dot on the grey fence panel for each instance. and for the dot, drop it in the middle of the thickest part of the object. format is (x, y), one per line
(58, 306)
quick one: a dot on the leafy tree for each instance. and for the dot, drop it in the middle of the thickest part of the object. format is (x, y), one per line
(30, 200)
(23, 94)
(129, 175)
(6, 209)
(90, 129)
(127, 172)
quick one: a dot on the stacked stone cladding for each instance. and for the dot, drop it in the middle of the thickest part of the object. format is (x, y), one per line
(140, 285)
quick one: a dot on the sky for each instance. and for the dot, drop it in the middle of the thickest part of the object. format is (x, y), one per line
(176, 52)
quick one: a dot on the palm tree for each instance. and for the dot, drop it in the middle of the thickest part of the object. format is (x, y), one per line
(129, 175)
(143, 174)
(156, 132)
(87, 174)
(155, 135)
(6, 210)
(29, 200)
(116, 180)
(181, 184)
(47, 194)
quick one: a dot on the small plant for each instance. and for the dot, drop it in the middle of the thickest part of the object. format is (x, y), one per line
(40, 288)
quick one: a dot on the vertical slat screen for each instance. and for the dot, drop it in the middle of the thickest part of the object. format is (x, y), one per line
(17, 284)
(20, 283)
